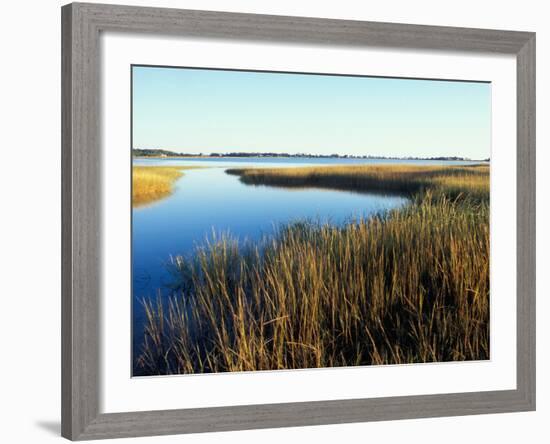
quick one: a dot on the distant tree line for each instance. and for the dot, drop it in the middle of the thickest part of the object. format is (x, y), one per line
(166, 153)
(137, 152)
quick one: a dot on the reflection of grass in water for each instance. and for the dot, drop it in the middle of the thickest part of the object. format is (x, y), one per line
(152, 183)
(409, 179)
(408, 287)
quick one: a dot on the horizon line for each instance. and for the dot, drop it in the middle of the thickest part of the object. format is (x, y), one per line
(286, 154)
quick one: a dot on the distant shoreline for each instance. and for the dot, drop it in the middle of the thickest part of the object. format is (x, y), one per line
(162, 154)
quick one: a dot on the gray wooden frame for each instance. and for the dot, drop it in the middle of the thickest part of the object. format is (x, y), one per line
(81, 231)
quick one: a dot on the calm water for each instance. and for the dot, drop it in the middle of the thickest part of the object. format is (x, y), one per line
(207, 201)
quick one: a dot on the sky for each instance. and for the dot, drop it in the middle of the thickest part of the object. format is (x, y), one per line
(203, 111)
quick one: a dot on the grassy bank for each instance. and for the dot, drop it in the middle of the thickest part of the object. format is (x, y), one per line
(152, 183)
(411, 286)
(403, 179)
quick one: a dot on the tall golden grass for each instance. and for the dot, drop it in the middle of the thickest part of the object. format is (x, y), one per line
(152, 183)
(407, 179)
(410, 286)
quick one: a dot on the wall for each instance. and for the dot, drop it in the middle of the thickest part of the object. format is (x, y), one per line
(30, 240)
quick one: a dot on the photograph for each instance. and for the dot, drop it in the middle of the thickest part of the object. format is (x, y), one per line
(275, 222)
(288, 221)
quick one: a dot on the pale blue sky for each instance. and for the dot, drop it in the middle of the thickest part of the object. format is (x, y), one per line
(197, 110)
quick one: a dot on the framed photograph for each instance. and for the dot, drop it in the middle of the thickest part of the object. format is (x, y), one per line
(278, 221)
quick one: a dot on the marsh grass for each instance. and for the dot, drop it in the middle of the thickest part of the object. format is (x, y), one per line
(152, 183)
(410, 286)
(401, 179)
